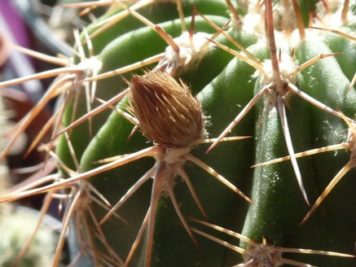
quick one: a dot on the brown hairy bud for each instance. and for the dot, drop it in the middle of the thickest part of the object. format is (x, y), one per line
(167, 112)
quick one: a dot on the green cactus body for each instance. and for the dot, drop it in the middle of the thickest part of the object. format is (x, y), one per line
(224, 86)
(157, 13)
(333, 90)
(129, 54)
(219, 100)
(292, 97)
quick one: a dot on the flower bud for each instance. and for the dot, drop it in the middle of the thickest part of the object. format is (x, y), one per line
(167, 112)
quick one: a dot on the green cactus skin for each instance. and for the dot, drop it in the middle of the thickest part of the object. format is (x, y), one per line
(108, 144)
(333, 90)
(346, 59)
(224, 85)
(157, 13)
(129, 54)
(219, 100)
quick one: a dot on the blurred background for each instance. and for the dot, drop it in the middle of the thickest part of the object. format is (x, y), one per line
(47, 27)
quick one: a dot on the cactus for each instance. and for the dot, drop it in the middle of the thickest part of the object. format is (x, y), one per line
(15, 233)
(154, 82)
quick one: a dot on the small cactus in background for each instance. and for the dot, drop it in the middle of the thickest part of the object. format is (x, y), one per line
(155, 85)
(17, 223)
